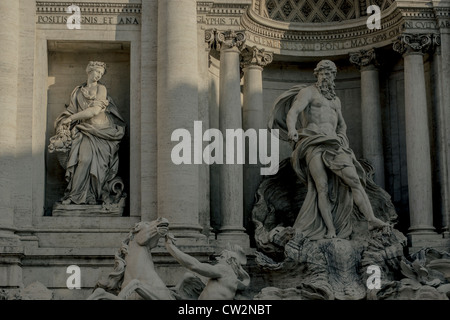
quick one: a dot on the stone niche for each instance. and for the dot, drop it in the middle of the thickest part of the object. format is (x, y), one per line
(67, 61)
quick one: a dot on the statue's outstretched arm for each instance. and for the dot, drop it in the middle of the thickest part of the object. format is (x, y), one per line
(191, 263)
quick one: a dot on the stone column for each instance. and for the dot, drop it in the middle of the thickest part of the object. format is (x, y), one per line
(372, 137)
(441, 120)
(229, 44)
(10, 251)
(253, 61)
(441, 10)
(177, 107)
(417, 133)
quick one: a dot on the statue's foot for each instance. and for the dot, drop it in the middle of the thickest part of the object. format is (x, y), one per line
(66, 202)
(330, 234)
(377, 224)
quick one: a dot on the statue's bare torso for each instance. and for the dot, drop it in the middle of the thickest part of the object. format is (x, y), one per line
(322, 114)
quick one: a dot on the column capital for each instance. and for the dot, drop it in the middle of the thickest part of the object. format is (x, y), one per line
(437, 43)
(229, 39)
(364, 59)
(253, 56)
(409, 43)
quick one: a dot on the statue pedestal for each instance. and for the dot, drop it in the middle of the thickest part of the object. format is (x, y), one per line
(77, 210)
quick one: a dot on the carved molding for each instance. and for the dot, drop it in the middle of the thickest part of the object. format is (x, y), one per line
(228, 39)
(308, 38)
(92, 13)
(408, 43)
(94, 8)
(364, 58)
(253, 56)
(209, 7)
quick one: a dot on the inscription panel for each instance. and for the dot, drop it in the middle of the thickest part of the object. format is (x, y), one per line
(91, 14)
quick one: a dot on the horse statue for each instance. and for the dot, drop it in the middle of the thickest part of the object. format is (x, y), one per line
(134, 271)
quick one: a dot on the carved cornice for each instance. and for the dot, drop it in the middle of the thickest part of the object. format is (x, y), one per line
(311, 38)
(364, 58)
(209, 7)
(253, 56)
(408, 43)
(331, 38)
(94, 8)
(228, 39)
(93, 14)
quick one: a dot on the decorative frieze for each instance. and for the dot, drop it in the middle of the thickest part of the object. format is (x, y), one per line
(253, 56)
(92, 13)
(276, 36)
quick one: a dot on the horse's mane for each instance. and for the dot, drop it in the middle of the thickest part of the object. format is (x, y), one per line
(113, 282)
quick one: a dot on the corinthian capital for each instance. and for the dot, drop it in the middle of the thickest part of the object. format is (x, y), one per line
(255, 57)
(225, 39)
(364, 58)
(413, 43)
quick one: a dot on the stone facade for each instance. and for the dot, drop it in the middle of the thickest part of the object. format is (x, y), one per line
(224, 63)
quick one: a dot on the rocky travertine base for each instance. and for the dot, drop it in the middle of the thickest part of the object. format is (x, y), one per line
(370, 264)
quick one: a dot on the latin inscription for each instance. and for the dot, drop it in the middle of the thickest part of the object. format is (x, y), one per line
(324, 45)
(427, 24)
(218, 21)
(89, 20)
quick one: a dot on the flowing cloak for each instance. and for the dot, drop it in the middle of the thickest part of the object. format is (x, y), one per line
(336, 155)
(93, 159)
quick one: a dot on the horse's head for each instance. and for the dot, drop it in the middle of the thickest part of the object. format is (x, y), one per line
(147, 233)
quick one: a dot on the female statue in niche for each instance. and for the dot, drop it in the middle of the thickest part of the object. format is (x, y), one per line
(90, 130)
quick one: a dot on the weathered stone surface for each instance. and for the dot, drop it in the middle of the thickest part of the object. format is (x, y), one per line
(34, 291)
